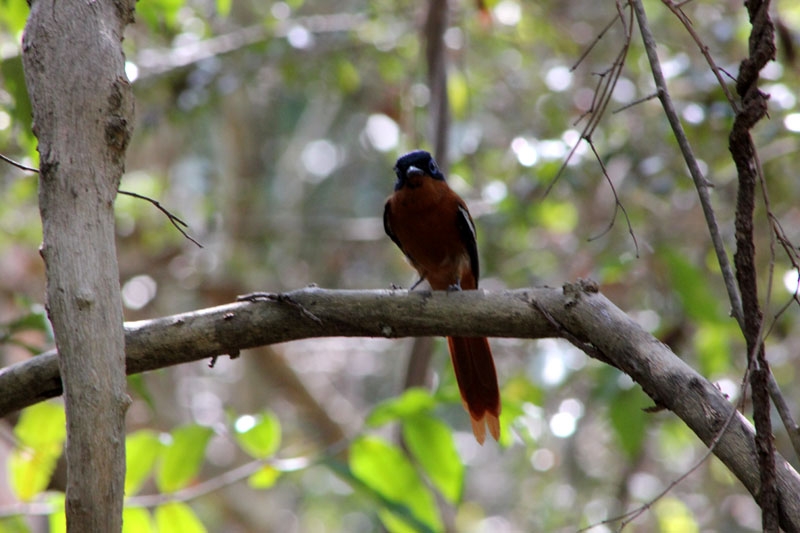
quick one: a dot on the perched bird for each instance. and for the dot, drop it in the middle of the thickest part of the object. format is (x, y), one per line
(432, 226)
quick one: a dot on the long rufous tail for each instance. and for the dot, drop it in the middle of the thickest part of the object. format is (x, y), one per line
(477, 381)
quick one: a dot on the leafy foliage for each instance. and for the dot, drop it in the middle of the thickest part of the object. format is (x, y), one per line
(182, 458)
(431, 443)
(40, 432)
(137, 520)
(262, 438)
(408, 505)
(178, 517)
(142, 450)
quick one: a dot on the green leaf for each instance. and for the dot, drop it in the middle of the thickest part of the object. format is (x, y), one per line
(136, 520)
(177, 517)
(223, 7)
(14, 83)
(431, 442)
(42, 425)
(264, 478)
(458, 94)
(383, 468)
(261, 435)
(559, 217)
(29, 472)
(137, 383)
(674, 516)
(142, 448)
(675, 440)
(692, 286)
(35, 319)
(511, 412)
(155, 12)
(41, 432)
(182, 459)
(629, 420)
(517, 392)
(14, 524)
(58, 518)
(411, 403)
(712, 344)
(13, 15)
(347, 76)
(519, 389)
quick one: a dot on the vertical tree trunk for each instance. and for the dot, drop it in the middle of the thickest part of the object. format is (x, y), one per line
(436, 59)
(82, 111)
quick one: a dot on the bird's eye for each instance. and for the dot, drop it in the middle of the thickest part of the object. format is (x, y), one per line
(432, 167)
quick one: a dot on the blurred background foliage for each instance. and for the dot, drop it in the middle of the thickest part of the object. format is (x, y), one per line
(271, 128)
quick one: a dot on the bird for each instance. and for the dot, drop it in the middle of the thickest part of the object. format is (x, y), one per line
(432, 226)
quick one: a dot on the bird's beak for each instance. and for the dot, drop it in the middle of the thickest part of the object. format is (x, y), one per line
(414, 171)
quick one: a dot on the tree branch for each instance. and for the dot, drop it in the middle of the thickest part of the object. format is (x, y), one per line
(700, 182)
(743, 151)
(578, 309)
(17, 164)
(174, 220)
(439, 121)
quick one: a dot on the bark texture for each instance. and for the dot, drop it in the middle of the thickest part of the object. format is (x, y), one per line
(82, 111)
(743, 152)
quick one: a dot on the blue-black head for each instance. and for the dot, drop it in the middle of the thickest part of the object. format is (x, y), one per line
(416, 163)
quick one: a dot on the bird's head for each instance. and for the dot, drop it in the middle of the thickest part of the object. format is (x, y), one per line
(414, 167)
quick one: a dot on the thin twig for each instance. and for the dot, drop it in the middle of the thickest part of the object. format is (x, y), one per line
(776, 235)
(633, 514)
(603, 91)
(18, 165)
(236, 475)
(635, 103)
(678, 11)
(197, 490)
(594, 43)
(177, 222)
(618, 204)
(785, 412)
(156, 62)
(777, 231)
(701, 184)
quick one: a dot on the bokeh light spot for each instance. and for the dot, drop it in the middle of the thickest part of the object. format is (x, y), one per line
(382, 132)
(138, 291)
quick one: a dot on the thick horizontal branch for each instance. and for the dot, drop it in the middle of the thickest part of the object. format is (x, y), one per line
(577, 311)
(301, 314)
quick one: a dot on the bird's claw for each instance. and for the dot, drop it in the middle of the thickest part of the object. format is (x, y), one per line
(455, 286)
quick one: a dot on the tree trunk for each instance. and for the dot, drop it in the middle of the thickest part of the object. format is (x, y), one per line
(82, 111)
